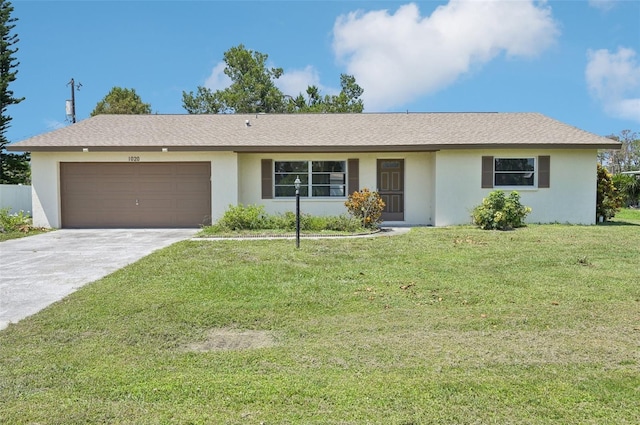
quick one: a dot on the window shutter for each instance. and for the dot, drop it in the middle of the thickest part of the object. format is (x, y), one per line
(487, 172)
(544, 171)
(353, 168)
(267, 179)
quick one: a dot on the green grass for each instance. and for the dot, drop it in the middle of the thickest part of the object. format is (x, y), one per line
(628, 214)
(15, 234)
(447, 325)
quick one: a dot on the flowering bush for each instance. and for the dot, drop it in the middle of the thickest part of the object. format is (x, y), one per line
(500, 212)
(366, 206)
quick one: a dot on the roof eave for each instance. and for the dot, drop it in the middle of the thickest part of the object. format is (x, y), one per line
(307, 149)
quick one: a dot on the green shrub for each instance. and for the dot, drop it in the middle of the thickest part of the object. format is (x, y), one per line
(608, 200)
(367, 207)
(285, 221)
(340, 223)
(253, 217)
(500, 212)
(343, 223)
(241, 217)
(313, 223)
(18, 222)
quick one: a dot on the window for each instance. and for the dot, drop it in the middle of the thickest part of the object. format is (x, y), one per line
(514, 171)
(317, 178)
(528, 172)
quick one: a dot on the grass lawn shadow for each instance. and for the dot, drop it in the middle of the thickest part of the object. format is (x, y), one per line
(619, 223)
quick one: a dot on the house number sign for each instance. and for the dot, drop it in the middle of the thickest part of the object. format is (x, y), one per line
(134, 159)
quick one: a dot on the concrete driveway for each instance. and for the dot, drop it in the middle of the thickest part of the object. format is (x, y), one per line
(38, 270)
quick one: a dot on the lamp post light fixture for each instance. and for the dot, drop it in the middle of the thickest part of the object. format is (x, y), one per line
(296, 183)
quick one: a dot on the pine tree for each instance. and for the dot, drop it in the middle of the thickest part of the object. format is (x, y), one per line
(8, 73)
(253, 89)
(121, 101)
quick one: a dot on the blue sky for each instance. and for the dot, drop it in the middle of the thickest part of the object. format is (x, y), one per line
(575, 61)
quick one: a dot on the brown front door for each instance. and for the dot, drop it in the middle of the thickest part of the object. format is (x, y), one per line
(129, 195)
(391, 188)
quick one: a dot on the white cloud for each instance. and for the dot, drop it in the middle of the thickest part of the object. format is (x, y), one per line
(604, 5)
(614, 80)
(296, 81)
(399, 57)
(218, 80)
(291, 82)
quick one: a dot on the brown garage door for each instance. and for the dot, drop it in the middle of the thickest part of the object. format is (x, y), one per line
(128, 195)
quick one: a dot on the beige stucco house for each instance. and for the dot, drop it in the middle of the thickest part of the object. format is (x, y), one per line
(431, 168)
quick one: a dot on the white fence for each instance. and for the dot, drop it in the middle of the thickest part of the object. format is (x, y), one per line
(16, 197)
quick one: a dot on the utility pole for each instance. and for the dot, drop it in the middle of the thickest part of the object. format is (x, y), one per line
(71, 104)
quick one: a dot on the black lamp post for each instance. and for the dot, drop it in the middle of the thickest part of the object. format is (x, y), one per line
(296, 183)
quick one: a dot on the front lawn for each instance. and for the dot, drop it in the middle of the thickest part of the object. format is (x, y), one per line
(631, 214)
(447, 325)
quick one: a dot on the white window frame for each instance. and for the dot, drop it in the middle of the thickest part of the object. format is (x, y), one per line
(534, 173)
(306, 189)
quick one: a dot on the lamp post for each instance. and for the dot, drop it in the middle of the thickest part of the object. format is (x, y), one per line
(296, 183)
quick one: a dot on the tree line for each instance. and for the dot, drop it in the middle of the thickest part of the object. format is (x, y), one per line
(252, 90)
(627, 158)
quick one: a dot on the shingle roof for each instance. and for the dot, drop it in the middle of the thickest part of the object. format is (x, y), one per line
(315, 132)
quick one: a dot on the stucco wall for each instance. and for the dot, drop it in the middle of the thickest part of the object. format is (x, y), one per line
(418, 183)
(569, 199)
(429, 200)
(45, 177)
(45, 189)
(224, 182)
